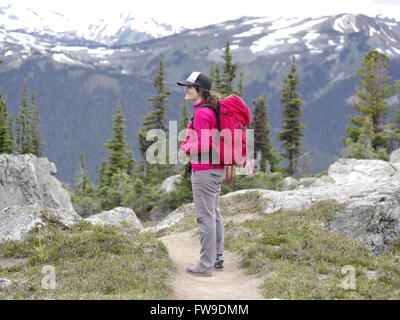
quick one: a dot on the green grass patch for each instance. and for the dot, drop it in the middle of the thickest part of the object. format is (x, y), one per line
(90, 262)
(301, 259)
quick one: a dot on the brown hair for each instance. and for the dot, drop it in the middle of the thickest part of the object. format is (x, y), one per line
(210, 97)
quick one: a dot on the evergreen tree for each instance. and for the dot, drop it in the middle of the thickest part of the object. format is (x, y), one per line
(184, 120)
(84, 186)
(371, 101)
(6, 143)
(262, 144)
(156, 118)
(120, 155)
(291, 134)
(34, 130)
(229, 72)
(103, 174)
(240, 90)
(212, 73)
(24, 140)
(217, 83)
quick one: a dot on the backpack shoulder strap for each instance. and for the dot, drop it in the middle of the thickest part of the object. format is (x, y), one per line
(200, 106)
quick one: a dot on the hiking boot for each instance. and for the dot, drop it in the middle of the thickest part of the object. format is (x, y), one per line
(219, 265)
(196, 271)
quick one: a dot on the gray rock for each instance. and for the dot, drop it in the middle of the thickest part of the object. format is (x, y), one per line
(289, 183)
(395, 156)
(168, 184)
(4, 283)
(27, 179)
(372, 214)
(373, 220)
(15, 222)
(306, 182)
(353, 171)
(115, 217)
(158, 213)
(323, 181)
(173, 218)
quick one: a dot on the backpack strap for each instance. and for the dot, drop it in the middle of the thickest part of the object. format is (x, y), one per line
(218, 127)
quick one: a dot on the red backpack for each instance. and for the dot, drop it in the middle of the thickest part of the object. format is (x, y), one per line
(233, 115)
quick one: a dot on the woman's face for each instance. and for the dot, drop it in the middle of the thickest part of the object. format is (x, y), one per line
(192, 94)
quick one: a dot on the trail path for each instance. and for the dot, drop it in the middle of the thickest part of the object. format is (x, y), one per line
(230, 284)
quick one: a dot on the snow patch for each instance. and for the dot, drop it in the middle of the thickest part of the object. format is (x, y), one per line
(62, 58)
(249, 33)
(396, 50)
(346, 24)
(283, 31)
(372, 31)
(331, 43)
(293, 40)
(311, 36)
(231, 26)
(234, 47)
(258, 21)
(8, 53)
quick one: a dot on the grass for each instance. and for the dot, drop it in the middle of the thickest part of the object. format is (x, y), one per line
(294, 253)
(90, 262)
(300, 259)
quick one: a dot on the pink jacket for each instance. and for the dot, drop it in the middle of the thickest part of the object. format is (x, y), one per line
(204, 118)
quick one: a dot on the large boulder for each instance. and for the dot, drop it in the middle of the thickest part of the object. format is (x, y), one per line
(15, 222)
(354, 171)
(115, 217)
(373, 220)
(27, 179)
(371, 215)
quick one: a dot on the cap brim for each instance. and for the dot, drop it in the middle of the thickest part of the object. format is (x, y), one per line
(185, 83)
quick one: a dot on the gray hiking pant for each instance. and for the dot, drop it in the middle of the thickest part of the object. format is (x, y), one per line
(206, 185)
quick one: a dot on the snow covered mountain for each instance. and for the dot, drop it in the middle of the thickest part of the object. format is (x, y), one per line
(122, 29)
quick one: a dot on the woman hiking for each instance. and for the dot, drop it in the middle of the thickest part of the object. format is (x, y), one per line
(206, 177)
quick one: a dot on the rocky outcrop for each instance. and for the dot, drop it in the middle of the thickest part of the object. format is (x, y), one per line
(27, 179)
(115, 217)
(15, 222)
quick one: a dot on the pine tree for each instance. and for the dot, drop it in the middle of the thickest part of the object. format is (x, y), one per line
(24, 140)
(156, 118)
(211, 75)
(83, 181)
(371, 101)
(6, 143)
(34, 130)
(183, 122)
(229, 70)
(240, 90)
(217, 80)
(120, 155)
(262, 144)
(291, 134)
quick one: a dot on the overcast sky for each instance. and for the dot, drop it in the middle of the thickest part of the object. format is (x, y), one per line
(199, 13)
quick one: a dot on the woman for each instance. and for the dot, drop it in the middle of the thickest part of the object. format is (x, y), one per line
(206, 177)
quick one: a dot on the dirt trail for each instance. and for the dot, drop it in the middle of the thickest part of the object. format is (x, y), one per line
(229, 284)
